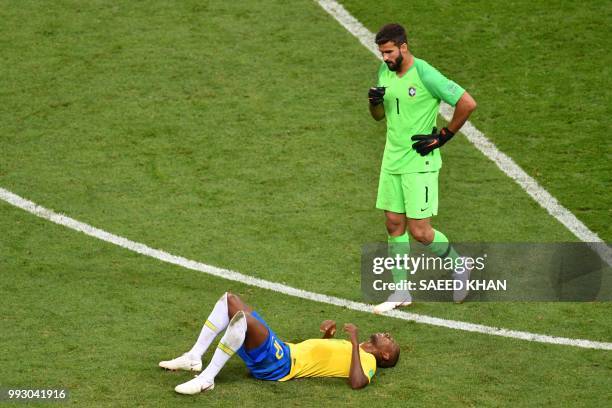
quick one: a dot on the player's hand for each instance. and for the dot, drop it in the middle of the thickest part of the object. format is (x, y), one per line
(352, 331)
(328, 328)
(425, 144)
(376, 95)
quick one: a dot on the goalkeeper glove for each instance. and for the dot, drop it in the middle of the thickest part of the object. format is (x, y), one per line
(427, 143)
(376, 95)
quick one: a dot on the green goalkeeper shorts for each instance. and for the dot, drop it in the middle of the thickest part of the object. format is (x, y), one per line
(413, 194)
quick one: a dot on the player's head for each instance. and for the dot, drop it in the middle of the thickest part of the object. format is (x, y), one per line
(393, 45)
(385, 349)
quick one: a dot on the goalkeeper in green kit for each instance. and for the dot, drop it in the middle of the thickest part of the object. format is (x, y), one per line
(408, 95)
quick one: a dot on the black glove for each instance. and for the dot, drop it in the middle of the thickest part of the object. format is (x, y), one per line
(376, 95)
(427, 143)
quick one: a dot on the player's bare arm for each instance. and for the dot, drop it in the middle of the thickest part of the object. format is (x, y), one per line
(464, 108)
(357, 379)
(328, 328)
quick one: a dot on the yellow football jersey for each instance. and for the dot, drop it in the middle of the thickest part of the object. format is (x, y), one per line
(326, 358)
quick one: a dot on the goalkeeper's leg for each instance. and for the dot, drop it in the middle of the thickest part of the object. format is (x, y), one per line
(439, 244)
(422, 191)
(398, 244)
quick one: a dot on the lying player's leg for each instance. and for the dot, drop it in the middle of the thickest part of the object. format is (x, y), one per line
(266, 356)
(216, 322)
(231, 341)
(225, 308)
(257, 332)
(248, 335)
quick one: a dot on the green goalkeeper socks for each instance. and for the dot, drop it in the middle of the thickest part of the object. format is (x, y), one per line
(442, 247)
(399, 245)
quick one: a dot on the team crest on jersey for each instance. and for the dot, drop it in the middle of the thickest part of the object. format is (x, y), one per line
(411, 91)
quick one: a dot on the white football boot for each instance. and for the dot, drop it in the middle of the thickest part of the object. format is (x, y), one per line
(195, 386)
(397, 299)
(184, 362)
(459, 295)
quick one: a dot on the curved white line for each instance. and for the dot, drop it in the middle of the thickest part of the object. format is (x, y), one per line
(143, 249)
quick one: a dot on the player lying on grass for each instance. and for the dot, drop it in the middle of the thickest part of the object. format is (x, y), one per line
(269, 358)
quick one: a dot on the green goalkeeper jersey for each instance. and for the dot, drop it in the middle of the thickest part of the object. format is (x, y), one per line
(411, 106)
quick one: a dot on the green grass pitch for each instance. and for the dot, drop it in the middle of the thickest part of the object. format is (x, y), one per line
(237, 134)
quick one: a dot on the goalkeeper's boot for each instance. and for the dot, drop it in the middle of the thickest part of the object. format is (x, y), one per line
(185, 362)
(397, 299)
(195, 386)
(461, 293)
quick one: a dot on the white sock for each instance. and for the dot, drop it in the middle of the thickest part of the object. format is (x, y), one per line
(215, 324)
(230, 342)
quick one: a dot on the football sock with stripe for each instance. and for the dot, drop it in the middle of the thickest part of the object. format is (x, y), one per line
(398, 245)
(215, 324)
(230, 342)
(442, 247)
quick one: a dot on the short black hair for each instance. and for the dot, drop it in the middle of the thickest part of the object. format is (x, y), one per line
(391, 32)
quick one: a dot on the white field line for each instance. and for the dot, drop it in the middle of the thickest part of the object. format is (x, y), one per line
(71, 223)
(478, 139)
